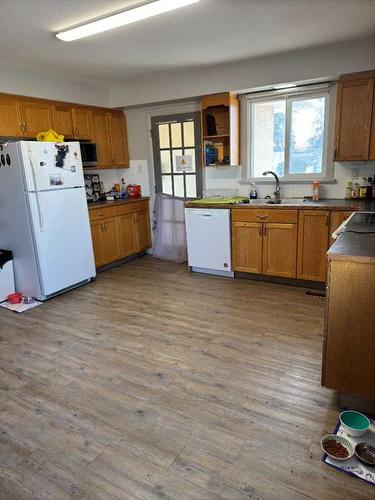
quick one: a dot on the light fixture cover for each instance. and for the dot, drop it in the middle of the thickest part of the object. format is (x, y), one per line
(284, 86)
(123, 18)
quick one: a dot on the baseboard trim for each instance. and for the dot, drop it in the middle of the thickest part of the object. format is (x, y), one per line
(317, 285)
(120, 262)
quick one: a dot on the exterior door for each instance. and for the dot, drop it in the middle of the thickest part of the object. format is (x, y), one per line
(174, 136)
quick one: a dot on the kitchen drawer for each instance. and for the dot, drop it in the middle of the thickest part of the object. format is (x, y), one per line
(129, 208)
(102, 213)
(264, 215)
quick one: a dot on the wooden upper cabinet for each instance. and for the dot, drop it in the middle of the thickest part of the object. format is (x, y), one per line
(280, 250)
(220, 115)
(10, 117)
(101, 137)
(119, 139)
(82, 123)
(313, 237)
(354, 108)
(63, 120)
(36, 117)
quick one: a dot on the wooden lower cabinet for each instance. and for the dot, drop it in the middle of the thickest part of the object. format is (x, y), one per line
(313, 239)
(265, 248)
(105, 241)
(142, 230)
(247, 247)
(337, 218)
(127, 234)
(280, 249)
(120, 231)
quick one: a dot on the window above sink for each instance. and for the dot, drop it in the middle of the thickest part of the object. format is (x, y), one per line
(290, 133)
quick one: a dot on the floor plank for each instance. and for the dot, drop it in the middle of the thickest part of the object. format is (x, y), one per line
(155, 383)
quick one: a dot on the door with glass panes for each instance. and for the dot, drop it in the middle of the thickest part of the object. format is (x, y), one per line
(177, 155)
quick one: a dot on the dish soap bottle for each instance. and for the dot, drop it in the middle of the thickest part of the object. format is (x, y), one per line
(348, 189)
(253, 191)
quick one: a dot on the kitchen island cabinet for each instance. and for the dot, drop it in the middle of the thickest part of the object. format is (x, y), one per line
(349, 338)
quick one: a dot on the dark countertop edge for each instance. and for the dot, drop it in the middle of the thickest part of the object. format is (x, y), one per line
(328, 204)
(351, 247)
(105, 204)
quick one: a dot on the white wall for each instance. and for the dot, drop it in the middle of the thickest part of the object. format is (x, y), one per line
(314, 63)
(14, 80)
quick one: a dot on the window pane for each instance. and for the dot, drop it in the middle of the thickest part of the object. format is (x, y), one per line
(268, 137)
(176, 135)
(165, 161)
(191, 152)
(188, 134)
(306, 136)
(164, 135)
(176, 152)
(191, 186)
(167, 184)
(179, 186)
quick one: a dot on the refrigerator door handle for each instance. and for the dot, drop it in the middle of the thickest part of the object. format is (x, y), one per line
(38, 202)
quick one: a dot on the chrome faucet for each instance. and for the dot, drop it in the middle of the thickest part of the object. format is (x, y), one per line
(277, 188)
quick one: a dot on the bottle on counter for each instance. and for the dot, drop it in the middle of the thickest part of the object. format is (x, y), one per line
(369, 189)
(355, 190)
(363, 188)
(373, 188)
(315, 193)
(348, 189)
(253, 191)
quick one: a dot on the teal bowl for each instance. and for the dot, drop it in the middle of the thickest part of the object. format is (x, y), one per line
(354, 423)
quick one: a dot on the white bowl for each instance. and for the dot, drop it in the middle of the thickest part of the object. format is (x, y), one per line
(339, 439)
(352, 431)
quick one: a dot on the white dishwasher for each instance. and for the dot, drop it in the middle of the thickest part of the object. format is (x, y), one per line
(208, 234)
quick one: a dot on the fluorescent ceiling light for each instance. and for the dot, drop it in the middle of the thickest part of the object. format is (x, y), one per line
(284, 86)
(127, 17)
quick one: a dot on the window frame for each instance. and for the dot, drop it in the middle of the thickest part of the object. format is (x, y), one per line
(289, 97)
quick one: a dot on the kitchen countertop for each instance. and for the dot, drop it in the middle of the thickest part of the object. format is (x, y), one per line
(354, 247)
(103, 204)
(328, 204)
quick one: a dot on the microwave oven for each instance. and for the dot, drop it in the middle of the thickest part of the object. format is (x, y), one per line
(88, 154)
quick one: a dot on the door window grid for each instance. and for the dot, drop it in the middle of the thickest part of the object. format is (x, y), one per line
(177, 184)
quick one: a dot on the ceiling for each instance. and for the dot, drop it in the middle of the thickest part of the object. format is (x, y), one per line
(210, 32)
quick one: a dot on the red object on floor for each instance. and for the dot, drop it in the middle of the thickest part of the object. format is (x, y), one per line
(15, 298)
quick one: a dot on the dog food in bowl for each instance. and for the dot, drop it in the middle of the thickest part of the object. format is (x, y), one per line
(337, 447)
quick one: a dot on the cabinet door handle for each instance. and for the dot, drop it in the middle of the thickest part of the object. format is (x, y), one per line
(335, 152)
(262, 216)
(21, 127)
(327, 218)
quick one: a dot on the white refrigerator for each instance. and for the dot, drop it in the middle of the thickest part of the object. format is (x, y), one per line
(44, 217)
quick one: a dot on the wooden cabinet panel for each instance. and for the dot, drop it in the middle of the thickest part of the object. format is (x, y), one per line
(313, 229)
(337, 218)
(82, 123)
(247, 247)
(110, 244)
(127, 234)
(63, 120)
(96, 234)
(102, 213)
(10, 117)
(142, 229)
(264, 215)
(105, 241)
(100, 128)
(119, 140)
(353, 119)
(280, 250)
(37, 117)
(349, 343)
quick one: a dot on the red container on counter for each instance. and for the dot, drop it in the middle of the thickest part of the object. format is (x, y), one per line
(134, 190)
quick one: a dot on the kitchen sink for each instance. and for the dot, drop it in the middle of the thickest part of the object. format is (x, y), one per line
(283, 201)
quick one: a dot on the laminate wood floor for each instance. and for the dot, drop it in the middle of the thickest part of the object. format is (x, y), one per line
(156, 383)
